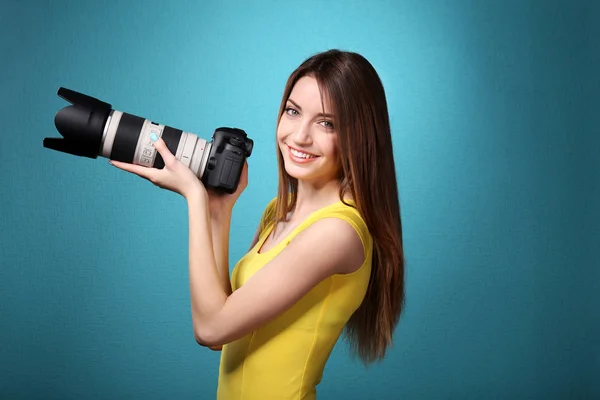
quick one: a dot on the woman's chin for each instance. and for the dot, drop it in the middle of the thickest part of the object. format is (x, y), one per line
(307, 172)
(297, 173)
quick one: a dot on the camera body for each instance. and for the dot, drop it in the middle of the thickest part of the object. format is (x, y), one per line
(91, 128)
(226, 159)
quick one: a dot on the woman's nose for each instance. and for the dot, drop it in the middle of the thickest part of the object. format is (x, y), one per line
(302, 134)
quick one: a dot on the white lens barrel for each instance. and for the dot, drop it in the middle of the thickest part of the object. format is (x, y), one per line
(145, 152)
(185, 150)
(202, 161)
(110, 131)
(192, 150)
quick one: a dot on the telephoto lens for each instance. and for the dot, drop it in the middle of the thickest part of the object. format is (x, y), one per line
(91, 128)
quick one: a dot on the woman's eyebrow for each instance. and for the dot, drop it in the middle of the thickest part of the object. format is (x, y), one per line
(326, 115)
(295, 104)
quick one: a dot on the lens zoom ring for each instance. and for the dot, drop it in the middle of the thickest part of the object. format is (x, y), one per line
(171, 136)
(126, 138)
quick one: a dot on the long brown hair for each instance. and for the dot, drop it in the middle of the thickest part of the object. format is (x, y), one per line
(368, 174)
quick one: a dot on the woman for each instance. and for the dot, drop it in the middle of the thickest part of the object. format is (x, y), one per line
(328, 250)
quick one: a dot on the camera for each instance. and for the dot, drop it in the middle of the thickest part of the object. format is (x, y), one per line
(91, 128)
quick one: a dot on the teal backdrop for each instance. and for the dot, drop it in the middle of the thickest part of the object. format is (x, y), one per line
(494, 112)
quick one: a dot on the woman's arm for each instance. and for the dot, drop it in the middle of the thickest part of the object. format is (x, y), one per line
(221, 208)
(207, 293)
(221, 249)
(221, 230)
(327, 247)
(221, 227)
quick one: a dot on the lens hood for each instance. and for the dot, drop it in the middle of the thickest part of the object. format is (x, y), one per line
(80, 124)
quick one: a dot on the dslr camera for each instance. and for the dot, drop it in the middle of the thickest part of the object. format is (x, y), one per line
(91, 128)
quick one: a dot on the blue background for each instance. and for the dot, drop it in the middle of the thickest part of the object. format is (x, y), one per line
(494, 112)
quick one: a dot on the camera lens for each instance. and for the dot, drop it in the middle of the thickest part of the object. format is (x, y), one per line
(91, 128)
(126, 138)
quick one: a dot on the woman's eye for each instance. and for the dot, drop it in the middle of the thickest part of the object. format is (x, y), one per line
(291, 112)
(327, 124)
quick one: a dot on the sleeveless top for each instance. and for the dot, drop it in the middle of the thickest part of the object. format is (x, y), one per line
(285, 358)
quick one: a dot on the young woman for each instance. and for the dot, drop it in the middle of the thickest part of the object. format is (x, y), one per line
(327, 254)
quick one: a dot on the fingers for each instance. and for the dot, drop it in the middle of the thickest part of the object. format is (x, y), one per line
(156, 176)
(164, 151)
(144, 172)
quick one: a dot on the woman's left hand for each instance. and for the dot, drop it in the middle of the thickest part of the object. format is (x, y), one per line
(174, 176)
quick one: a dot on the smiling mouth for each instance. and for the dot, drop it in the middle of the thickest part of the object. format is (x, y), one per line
(300, 154)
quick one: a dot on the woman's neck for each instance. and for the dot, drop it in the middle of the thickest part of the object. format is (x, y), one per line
(311, 197)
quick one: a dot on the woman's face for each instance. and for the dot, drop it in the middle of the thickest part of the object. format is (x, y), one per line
(306, 135)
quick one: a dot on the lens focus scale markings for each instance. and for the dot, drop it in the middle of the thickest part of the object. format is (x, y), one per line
(146, 153)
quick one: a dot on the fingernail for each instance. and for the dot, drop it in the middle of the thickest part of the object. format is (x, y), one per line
(154, 137)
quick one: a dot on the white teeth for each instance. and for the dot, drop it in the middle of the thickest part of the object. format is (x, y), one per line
(301, 155)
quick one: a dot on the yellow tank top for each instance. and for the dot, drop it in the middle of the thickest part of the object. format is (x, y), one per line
(285, 358)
